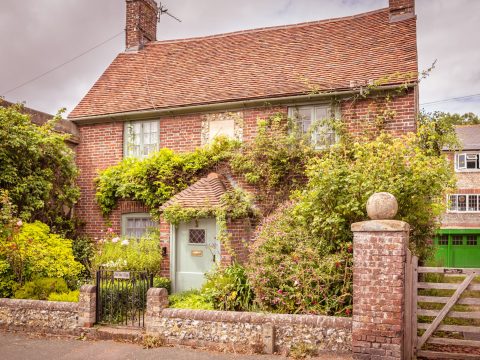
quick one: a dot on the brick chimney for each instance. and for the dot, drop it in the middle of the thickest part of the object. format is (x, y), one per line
(141, 26)
(401, 9)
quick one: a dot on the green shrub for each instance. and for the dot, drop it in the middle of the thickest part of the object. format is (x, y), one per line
(291, 271)
(157, 178)
(129, 254)
(190, 300)
(71, 296)
(40, 289)
(37, 169)
(83, 251)
(162, 282)
(8, 285)
(32, 251)
(228, 289)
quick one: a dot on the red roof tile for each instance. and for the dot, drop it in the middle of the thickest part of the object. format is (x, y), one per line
(254, 64)
(204, 194)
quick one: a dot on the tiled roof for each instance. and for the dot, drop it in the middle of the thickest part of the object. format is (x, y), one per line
(469, 136)
(204, 194)
(254, 64)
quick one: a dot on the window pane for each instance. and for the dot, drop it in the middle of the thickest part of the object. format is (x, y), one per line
(443, 240)
(472, 202)
(472, 240)
(196, 236)
(457, 240)
(461, 161)
(462, 202)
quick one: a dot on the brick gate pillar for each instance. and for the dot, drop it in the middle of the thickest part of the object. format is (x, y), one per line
(379, 254)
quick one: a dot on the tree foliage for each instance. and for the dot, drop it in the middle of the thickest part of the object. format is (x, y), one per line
(37, 169)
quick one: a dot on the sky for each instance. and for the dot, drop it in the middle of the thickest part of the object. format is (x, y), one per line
(50, 36)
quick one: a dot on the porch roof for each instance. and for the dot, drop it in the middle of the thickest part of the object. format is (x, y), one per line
(205, 193)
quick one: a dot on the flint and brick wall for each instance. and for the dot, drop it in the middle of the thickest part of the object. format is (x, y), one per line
(38, 316)
(237, 331)
(49, 317)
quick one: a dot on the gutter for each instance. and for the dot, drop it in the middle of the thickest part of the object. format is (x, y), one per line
(232, 105)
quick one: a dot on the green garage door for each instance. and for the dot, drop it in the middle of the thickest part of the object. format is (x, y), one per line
(458, 248)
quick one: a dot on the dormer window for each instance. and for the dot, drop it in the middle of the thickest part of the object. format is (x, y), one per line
(467, 161)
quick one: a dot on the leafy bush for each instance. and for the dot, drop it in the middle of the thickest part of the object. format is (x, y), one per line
(228, 289)
(83, 251)
(71, 296)
(291, 271)
(162, 282)
(157, 178)
(38, 169)
(301, 260)
(274, 161)
(190, 300)
(40, 289)
(32, 251)
(8, 285)
(129, 254)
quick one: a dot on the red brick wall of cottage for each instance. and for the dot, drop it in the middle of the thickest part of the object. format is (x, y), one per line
(101, 145)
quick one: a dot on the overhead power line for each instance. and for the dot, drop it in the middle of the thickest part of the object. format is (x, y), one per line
(450, 99)
(62, 64)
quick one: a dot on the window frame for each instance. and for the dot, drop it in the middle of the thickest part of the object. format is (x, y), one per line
(334, 111)
(467, 202)
(126, 138)
(124, 221)
(462, 158)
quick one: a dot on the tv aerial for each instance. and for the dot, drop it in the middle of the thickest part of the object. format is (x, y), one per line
(163, 10)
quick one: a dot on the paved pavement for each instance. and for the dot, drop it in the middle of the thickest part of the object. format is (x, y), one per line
(24, 347)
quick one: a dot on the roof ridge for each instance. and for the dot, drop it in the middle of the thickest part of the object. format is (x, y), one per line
(262, 29)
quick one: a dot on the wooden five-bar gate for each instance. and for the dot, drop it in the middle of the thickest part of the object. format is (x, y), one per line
(442, 312)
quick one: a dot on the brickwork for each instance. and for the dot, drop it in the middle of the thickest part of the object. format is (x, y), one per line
(87, 306)
(360, 115)
(379, 255)
(101, 146)
(141, 22)
(468, 182)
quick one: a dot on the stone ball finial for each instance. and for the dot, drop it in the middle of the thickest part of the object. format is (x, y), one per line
(382, 206)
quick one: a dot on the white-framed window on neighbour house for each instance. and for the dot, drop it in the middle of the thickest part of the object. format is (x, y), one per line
(463, 203)
(136, 225)
(468, 161)
(313, 119)
(141, 138)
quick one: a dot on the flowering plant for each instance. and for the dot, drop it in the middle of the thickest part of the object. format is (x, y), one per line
(128, 254)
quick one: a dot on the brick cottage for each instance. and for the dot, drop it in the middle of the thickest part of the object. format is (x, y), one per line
(179, 94)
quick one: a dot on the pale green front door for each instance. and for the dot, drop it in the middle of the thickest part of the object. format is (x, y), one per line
(196, 252)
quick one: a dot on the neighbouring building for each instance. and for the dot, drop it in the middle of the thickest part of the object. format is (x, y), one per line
(39, 118)
(458, 241)
(179, 94)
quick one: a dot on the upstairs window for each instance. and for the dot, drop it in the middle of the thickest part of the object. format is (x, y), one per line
(141, 138)
(312, 120)
(136, 225)
(467, 161)
(464, 203)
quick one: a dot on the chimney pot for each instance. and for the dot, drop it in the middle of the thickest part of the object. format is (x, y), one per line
(401, 9)
(141, 23)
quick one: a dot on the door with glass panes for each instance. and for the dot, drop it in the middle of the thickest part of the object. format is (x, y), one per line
(196, 252)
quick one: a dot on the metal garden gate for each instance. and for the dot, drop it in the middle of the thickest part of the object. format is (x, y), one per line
(442, 313)
(122, 297)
